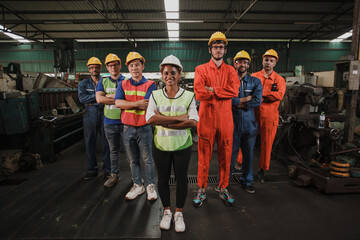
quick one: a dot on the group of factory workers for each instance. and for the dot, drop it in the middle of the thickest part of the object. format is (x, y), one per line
(119, 109)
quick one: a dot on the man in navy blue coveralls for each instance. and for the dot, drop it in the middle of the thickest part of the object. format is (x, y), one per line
(245, 125)
(93, 121)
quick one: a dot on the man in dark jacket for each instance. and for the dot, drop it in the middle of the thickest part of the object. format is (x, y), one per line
(93, 121)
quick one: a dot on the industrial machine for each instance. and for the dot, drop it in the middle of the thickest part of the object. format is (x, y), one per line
(42, 119)
(312, 143)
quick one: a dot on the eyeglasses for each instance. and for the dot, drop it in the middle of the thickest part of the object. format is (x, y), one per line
(218, 47)
(113, 65)
(241, 61)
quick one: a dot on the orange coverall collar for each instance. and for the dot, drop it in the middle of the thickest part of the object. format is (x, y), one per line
(212, 64)
(271, 76)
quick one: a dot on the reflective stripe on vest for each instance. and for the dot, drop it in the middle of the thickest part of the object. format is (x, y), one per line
(134, 117)
(110, 111)
(167, 139)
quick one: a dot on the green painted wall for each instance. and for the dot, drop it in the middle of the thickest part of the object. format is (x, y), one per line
(314, 56)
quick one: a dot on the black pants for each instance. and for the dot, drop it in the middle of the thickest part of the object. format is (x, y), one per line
(163, 161)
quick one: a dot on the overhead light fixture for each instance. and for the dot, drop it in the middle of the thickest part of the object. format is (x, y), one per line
(8, 33)
(343, 37)
(172, 9)
(173, 34)
(337, 40)
(172, 15)
(346, 35)
(173, 26)
(190, 21)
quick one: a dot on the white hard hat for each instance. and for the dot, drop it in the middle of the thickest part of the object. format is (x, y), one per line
(171, 59)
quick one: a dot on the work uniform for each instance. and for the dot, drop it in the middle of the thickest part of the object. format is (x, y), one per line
(245, 125)
(137, 134)
(112, 124)
(93, 122)
(172, 146)
(267, 115)
(215, 113)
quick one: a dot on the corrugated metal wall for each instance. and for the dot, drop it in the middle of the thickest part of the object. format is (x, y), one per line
(314, 56)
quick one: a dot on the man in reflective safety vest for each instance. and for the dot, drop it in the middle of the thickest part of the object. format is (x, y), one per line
(267, 115)
(132, 96)
(215, 83)
(105, 93)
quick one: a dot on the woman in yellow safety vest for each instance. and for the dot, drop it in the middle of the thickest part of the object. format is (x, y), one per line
(173, 112)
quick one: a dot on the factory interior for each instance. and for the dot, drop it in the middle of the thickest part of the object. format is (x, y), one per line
(311, 190)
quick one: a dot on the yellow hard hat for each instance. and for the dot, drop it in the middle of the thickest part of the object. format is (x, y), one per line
(242, 54)
(93, 60)
(132, 56)
(111, 57)
(218, 36)
(271, 52)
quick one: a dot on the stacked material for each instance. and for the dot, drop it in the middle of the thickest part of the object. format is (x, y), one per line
(339, 169)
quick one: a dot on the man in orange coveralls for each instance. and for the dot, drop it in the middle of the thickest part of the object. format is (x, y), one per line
(267, 115)
(215, 83)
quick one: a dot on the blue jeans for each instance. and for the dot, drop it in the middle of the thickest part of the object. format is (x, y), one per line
(246, 141)
(113, 134)
(93, 123)
(138, 143)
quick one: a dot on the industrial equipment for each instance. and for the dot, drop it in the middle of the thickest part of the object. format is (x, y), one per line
(309, 149)
(38, 121)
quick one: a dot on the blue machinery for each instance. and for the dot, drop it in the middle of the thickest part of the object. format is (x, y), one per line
(28, 122)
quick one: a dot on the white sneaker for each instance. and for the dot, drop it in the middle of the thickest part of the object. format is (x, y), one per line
(151, 193)
(135, 191)
(179, 222)
(166, 220)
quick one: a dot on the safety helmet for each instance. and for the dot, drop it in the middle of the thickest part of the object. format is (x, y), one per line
(111, 57)
(132, 56)
(172, 60)
(242, 54)
(93, 60)
(271, 52)
(218, 36)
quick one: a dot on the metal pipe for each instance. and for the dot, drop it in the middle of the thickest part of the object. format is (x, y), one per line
(351, 101)
(345, 151)
(68, 134)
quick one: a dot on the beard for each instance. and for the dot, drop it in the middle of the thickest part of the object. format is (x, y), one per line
(241, 70)
(217, 58)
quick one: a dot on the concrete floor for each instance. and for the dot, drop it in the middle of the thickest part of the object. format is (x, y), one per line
(278, 209)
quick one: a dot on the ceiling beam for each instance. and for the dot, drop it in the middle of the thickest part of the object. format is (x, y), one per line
(181, 30)
(112, 21)
(308, 36)
(252, 3)
(273, 1)
(24, 21)
(190, 11)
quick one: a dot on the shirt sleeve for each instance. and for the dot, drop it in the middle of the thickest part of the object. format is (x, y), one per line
(99, 86)
(199, 87)
(192, 112)
(150, 111)
(151, 88)
(120, 94)
(231, 88)
(86, 95)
